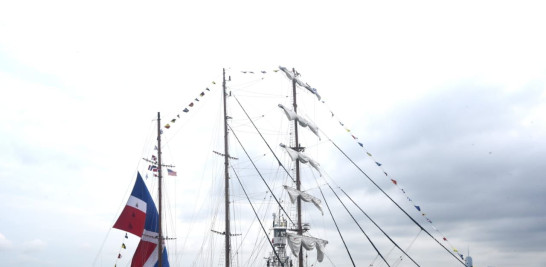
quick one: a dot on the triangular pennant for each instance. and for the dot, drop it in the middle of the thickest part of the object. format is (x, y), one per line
(369, 154)
(360, 144)
(191, 104)
(418, 208)
(378, 164)
(186, 110)
(123, 246)
(394, 181)
(173, 120)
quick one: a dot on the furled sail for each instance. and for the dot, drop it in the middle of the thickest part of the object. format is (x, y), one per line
(291, 115)
(140, 217)
(294, 194)
(309, 243)
(295, 155)
(291, 76)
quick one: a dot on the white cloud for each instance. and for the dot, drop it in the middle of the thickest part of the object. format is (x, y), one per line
(33, 246)
(5, 244)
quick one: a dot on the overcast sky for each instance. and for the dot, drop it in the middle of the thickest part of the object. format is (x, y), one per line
(449, 97)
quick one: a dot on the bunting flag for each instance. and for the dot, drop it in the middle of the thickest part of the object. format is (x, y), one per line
(119, 256)
(189, 106)
(123, 246)
(395, 182)
(126, 237)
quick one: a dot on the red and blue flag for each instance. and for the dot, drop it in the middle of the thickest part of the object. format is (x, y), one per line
(140, 217)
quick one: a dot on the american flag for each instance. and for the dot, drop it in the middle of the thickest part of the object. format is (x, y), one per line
(171, 172)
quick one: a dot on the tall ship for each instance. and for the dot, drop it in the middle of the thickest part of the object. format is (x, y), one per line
(263, 198)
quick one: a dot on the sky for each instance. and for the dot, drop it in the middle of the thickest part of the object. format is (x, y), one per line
(449, 97)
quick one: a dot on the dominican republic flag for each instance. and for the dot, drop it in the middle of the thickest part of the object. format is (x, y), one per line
(140, 218)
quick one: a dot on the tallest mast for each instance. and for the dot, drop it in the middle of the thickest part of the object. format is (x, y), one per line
(297, 148)
(226, 174)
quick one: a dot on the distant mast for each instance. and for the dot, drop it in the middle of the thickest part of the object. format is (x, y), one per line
(160, 235)
(226, 174)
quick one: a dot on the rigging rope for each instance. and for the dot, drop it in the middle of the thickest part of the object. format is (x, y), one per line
(371, 242)
(335, 223)
(375, 224)
(280, 164)
(256, 214)
(392, 200)
(260, 174)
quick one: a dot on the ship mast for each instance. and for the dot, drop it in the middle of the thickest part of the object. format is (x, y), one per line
(226, 174)
(160, 234)
(298, 182)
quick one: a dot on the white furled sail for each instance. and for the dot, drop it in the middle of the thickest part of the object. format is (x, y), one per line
(309, 243)
(291, 115)
(291, 76)
(295, 155)
(294, 193)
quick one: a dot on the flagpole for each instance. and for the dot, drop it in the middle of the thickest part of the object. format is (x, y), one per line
(159, 167)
